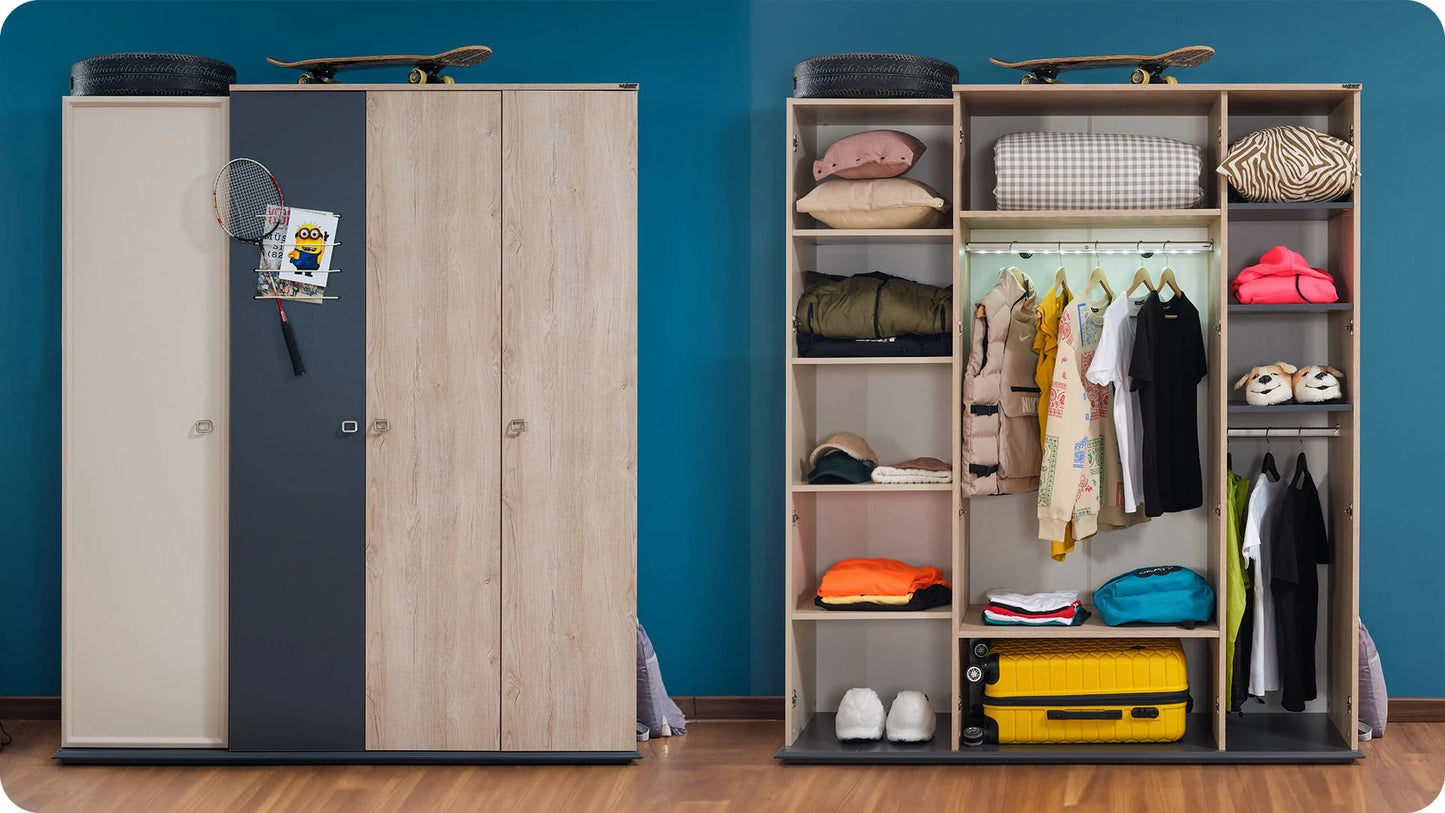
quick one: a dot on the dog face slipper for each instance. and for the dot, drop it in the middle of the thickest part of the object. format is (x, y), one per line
(1314, 384)
(1268, 384)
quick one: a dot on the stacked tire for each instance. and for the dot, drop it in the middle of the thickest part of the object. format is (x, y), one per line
(151, 75)
(873, 76)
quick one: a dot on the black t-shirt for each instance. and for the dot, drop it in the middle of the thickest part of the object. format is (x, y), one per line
(1167, 365)
(1298, 544)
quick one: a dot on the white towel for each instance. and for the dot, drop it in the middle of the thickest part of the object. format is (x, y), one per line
(1034, 602)
(889, 474)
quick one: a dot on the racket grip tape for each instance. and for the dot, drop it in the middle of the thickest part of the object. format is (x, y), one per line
(296, 366)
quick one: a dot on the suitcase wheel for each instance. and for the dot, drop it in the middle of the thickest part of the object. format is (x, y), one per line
(974, 674)
(981, 649)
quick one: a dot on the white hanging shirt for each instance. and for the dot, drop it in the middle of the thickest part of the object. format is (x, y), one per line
(1264, 501)
(1111, 366)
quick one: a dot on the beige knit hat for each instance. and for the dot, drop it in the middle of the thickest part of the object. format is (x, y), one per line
(847, 442)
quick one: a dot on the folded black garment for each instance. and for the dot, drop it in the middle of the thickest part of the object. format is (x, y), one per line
(811, 345)
(934, 595)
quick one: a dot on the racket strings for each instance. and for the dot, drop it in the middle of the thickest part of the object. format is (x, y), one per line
(244, 190)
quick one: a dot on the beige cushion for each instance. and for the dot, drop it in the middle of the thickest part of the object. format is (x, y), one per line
(881, 203)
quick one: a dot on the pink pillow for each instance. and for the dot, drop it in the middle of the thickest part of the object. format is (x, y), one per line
(871, 154)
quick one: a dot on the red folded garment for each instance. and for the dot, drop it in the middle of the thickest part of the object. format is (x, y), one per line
(1283, 277)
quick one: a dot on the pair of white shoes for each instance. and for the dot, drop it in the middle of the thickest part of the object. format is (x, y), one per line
(860, 717)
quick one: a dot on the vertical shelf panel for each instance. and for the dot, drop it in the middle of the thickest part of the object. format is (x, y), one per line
(960, 523)
(1218, 446)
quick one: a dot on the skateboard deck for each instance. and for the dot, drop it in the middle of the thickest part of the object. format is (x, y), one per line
(1148, 69)
(425, 69)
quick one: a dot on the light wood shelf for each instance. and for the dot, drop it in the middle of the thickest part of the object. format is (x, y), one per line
(973, 626)
(873, 236)
(1111, 218)
(870, 488)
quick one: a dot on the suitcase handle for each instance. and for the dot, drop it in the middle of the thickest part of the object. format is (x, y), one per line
(1064, 714)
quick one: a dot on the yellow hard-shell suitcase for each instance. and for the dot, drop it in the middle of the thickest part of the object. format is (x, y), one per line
(1081, 691)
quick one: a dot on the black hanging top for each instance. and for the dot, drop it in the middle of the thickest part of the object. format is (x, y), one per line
(1299, 543)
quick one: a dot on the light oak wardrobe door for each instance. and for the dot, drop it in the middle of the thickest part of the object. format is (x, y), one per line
(432, 379)
(569, 480)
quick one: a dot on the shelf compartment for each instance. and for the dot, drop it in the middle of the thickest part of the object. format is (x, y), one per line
(809, 361)
(1241, 408)
(1288, 211)
(1278, 734)
(806, 610)
(973, 626)
(1111, 218)
(871, 488)
(850, 236)
(1236, 309)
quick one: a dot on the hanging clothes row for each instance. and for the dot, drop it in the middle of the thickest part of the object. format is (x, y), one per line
(1105, 389)
(1277, 540)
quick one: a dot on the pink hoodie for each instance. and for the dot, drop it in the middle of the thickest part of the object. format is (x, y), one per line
(1283, 277)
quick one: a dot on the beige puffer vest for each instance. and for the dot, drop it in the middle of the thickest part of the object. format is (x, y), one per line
(1001, 452)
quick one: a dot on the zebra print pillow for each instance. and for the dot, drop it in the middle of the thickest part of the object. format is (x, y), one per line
(1290, 164)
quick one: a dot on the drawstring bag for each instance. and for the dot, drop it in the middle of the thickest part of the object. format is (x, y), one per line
(1374, 702)
(1169, 594)
(657, 715)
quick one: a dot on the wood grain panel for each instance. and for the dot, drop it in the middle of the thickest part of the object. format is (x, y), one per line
(143, 493)
(569, 499)
(433, 357)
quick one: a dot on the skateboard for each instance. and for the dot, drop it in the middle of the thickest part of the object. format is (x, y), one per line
(1148, 69)
(425, 69)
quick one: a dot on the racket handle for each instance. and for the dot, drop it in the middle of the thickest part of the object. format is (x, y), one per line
(296, 366)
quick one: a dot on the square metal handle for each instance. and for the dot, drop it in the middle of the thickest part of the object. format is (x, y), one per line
(381, 425)
(205, 426)
(516, 426)
(350, 427)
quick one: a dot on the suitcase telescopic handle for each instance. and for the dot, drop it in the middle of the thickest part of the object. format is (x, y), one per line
(1065, 714)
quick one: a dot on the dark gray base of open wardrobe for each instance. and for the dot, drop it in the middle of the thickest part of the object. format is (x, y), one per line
(220, 756)
(1251, 739)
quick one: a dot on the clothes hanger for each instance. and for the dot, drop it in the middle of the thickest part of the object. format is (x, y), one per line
(1166, 278)
(1267, 466)
(1061, 280)
(1017, 273)
(1141, 277)
(1097, 277)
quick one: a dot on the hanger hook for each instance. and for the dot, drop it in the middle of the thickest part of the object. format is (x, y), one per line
(1011, 244)
(1167, 263)
(1060, 249)
(1266, 436)
(1094, 252)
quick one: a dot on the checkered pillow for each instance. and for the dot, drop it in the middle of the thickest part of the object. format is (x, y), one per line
(1096, 171)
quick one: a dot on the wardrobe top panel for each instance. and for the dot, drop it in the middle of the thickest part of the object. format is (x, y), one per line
(438, 88)
(1121, 99)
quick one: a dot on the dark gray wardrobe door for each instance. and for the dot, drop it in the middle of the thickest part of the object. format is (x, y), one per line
(298, 512)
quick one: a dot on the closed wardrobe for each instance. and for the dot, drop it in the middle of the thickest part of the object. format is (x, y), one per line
(432, 533)
(441, 555)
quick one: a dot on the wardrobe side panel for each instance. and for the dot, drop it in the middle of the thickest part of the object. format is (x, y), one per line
(433, 373)
(298, 483)
(569, 369)
(143, 506)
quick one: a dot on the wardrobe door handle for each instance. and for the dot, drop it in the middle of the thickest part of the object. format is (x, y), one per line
(205, 426)
(381, 425)
(516, 426)
(349, 427)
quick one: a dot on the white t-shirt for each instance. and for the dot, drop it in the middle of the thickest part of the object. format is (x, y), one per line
(1111, 366)
(1263, 656)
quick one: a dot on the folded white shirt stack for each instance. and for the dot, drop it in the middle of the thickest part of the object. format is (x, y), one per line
(917, 470)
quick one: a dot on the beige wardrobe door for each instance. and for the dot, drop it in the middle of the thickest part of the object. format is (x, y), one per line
(569, 448)
(432, 388)
(143, 424)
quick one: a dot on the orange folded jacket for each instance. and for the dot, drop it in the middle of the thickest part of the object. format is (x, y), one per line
(877, 577)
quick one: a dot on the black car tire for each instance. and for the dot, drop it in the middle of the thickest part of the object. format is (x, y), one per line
(151, 75)
(888, 76)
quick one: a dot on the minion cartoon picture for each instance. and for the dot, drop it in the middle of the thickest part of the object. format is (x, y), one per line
(300, 249)
(310, 244)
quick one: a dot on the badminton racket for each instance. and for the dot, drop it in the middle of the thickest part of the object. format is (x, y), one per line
(242, 192)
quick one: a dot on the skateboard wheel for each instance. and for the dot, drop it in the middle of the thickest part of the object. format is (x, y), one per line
(1029, 79)
(447, 80)
(417, 76)
(1139, 77)
(1169, 80)
(305, 79)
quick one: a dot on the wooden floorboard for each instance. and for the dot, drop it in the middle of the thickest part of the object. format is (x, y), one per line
(728, 766)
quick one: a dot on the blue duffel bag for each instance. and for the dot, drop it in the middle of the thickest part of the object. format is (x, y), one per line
(1168, 594)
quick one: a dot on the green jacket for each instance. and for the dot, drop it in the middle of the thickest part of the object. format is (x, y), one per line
(872, 306)
(1237, 580)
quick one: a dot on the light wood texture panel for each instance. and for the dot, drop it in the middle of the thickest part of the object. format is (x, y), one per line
(569, 500)
(729, 768)
(1216, 448)
(433, 356)
(1344, 456)
(805, 362)
(143, 493)
(959, 558)
(461, 86)
(1104, 218)
(806, 610)
(871, 487)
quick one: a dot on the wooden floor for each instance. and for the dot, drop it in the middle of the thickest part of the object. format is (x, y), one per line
(726, 767)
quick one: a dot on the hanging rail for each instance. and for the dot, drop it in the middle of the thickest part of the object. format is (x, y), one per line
(1145, 249)
(1284, 431)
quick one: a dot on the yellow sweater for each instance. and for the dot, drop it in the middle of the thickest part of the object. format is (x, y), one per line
(1046, 345)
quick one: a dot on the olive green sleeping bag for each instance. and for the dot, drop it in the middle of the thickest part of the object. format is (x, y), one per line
(872, 306)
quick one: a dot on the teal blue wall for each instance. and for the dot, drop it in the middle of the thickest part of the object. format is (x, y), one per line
(713, 78)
